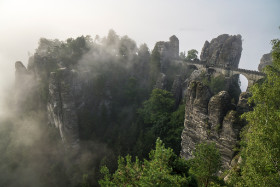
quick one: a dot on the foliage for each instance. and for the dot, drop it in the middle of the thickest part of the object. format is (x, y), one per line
(157, 171)
(182, 55)
(206, 163)
(261, 140)
(127, 47)
(114, 78)
(160, 120)
(176, 125)
(157, 107)
(192, 55)
(216, 84)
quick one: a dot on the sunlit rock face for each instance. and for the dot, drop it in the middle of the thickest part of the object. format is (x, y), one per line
(212, 118)
(61, 105)
(265, 60)
(225, 50)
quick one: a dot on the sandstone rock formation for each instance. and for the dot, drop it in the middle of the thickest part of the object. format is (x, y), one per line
(177, 89)
(168, 51)
(61, 106)
(161, 82)
(21, 72)
(265, 60)
(211, 118)
(225, 50)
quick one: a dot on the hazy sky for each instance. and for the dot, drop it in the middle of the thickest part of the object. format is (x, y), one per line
(23, 22)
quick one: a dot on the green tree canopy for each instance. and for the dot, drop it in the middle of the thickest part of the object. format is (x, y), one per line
(261, 151)
(192, 54)
(157, 171)
(206, 163)
(157, 107)
(160, 119)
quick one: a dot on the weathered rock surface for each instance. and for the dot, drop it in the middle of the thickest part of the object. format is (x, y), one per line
(61, 106)
(243, 105)
(168, 51)
(161, 82)
(265, 60)
(225, 50)
(177, 89)
(196, 75)
(211, 118)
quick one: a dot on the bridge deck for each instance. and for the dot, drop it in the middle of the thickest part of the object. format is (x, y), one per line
(226, 68)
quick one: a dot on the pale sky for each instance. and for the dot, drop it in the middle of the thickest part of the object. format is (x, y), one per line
(23, 22)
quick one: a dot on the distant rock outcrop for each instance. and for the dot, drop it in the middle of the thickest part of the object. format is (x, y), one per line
(211, 118)
(225, 50)
(21, 73)
(265, 60)
(167, 51)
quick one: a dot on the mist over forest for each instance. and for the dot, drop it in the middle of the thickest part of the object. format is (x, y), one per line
(110, 77)
(178, 94)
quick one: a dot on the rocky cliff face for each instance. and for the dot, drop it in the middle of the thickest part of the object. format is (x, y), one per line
(223, 50)
(62, 107)
(168, 51)
(161, 82)
(211, 118)
(177, 89)
(265, 60)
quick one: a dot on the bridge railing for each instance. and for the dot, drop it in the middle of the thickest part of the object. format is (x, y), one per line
(249, 71)
(225, 67)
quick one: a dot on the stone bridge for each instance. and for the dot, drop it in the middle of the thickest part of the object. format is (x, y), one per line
(252, 76)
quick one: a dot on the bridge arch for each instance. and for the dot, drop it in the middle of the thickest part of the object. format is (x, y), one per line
(252, 76)
(198, 65)
(242, 81)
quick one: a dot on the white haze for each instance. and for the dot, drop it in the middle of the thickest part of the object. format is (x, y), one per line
(23, 22)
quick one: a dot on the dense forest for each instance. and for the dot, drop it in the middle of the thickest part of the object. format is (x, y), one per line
(129, 119)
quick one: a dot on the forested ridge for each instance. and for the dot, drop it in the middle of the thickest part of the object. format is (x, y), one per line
(129, 120)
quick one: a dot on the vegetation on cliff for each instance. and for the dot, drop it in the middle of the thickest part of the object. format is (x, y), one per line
(121, 112)
(260, 151)
(163, 168)
(112, 93)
